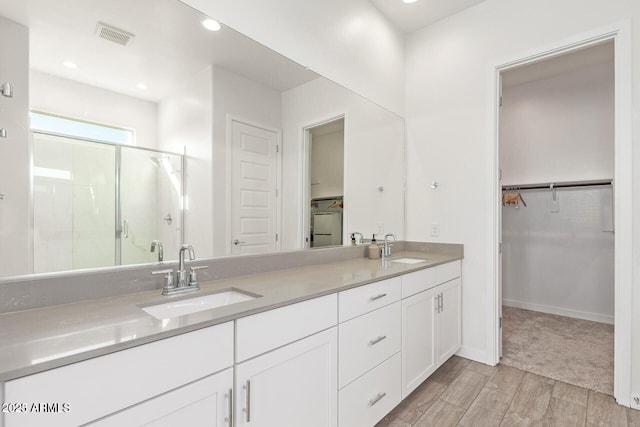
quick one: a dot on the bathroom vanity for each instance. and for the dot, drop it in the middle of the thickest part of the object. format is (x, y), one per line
(337, 344)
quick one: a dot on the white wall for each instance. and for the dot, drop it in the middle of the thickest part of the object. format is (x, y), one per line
(366, 125)
(14, 151)
(557, 257)
(559, 128)
(349, 42)
(449, 115)
(186, 119)
(327, 165)
(244, 99)
(55, 95)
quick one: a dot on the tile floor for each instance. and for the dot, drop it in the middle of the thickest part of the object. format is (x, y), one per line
(467, 393)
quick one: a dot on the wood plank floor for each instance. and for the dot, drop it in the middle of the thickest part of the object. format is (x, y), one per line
(467, 393)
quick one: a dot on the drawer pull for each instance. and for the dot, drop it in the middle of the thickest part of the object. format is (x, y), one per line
(247, 409)
(229, 418)
(377, 340)
(377, 399)
(377, 297)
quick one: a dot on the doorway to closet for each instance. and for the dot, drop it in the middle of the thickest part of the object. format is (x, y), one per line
(556, 149)
(324, 183)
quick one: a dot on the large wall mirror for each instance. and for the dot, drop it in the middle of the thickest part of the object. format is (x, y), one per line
(147, 130)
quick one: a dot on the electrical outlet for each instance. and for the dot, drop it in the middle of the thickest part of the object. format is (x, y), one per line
(435, 229)
(381, 227)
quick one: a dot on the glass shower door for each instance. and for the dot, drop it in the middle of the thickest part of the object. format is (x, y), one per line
(150, 205)
(74, 203)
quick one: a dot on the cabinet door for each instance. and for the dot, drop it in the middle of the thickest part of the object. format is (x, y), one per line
(418, 339)
(449, 336)
(205, 403)
(296, 385)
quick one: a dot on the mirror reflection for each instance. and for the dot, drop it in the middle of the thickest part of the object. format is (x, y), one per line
(146, 130)
(98, 202)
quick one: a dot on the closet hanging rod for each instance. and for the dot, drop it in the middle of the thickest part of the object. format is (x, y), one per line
(552, 185)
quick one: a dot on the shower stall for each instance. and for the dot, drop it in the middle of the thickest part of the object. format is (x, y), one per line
(101, 204)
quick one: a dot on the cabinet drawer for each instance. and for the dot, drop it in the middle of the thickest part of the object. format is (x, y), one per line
(368, 399)
(366, 341)
(418, 281)
(106, 384)
(446, 272)
(422, 280)
(363, 299)
(262, 332)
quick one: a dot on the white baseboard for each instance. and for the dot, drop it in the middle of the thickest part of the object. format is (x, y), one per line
(472, 354)
(594, 317)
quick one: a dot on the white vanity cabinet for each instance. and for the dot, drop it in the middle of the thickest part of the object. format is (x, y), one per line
(431, 322)
(287, 366)
(369, 352)
(98, 387)
(344, 359)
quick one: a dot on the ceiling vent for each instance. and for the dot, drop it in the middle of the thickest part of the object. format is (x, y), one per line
(113, 34)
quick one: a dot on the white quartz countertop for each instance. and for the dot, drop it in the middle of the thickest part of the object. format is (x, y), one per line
(35, 340)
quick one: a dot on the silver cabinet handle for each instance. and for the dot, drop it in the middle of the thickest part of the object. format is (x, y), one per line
(229, 418)
(377, 398)
(377, 340)
(125, 229)
(441, 302)
(238, 242)
(377, 297)
(247, 408)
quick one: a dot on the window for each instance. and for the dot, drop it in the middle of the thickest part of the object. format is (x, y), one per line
(69, 127)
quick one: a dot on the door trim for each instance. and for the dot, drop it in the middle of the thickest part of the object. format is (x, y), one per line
(229, 166)
(620, 33)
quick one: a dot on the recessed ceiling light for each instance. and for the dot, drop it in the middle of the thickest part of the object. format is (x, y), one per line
(409, 1)
(70, 64)
(211, 24)
(142, 86)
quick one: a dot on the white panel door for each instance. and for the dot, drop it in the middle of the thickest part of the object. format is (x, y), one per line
(205, 403)
(293, 386)
(253, 189)
(418, 339)
(448, 325)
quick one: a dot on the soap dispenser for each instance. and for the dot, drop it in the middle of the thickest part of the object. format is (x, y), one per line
(374, 249)
(353, 239)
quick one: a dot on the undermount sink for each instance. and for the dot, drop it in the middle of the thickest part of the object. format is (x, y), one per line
(408, 260)
(174, 308)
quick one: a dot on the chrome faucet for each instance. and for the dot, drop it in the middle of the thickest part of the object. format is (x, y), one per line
(182, 272)
(184, 282)
(386, 249)
(158, 244)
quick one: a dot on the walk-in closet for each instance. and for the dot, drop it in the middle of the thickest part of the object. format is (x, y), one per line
(556, 147)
